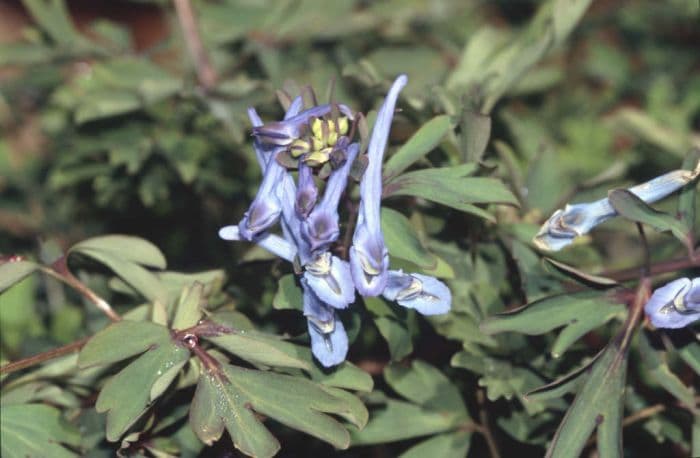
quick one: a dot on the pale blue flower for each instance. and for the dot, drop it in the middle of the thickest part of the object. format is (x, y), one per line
(307, 192)
(321, 227)
(369, 258)
(574, 220)
(329, 341)
(676, 304)
(330, 278)
(423, 293)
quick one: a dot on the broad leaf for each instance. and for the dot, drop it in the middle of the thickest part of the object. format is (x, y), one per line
(455, 444)
(127, 395)
(126, 247)
(187, 310)
(425, 385)
(258, 348)
(122, 340)
(399, 420)
(35, 431)
(288, 295)
(230, 398)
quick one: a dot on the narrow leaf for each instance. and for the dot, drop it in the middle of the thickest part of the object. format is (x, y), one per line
(421, 143)
(12, 272)
(635, 209)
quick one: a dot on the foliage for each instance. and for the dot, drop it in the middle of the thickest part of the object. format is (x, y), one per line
(512, 111)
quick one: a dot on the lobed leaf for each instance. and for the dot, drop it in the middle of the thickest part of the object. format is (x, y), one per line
(128, 394)
(122, 340)
(229, 398)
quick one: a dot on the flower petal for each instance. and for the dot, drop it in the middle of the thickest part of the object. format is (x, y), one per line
(369, 258)
(675, 305)
(330, 279)
(271, 242)
(329, 341)
(565, 225)
(425, 294)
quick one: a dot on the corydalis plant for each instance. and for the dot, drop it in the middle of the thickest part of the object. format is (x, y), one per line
(319, 140)
(575, 220)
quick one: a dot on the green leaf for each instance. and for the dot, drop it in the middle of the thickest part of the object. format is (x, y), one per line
(549, 313)
(35, 431)
(425, 385)
(690, 353)
(228, 399)
(587, 321)
(402, 241)
(655, 364)
(128, 394)
(400, 420)
(566, 14)
(394, 330)
(122, 340)
(139, 278)
(106, 104)
(258, 348)
(288, 295)
(594, 405)
(595, 281)
(53, 17)
(126, 247)
(421, 143)
(695, 447)
(357, 413)
(448, 187)
(12, 272)
(635, 209)
(188, 311)
(558, 388)
(452, 445)
(476, 132)
(687, 200)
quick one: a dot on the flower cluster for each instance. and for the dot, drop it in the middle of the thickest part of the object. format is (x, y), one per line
(676, 304)
(574, 220)
(321, 137)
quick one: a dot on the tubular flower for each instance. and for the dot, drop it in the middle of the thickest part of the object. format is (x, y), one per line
(329, 341)
(574, 220)
(310, 221)
(369, 258)
(423, 293)
(321, 228)
(675, 305)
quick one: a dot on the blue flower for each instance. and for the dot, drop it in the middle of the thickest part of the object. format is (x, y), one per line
(330, 278)
(307, 192)
(423, 293)
(369, 258)
(676, 304)
(329, 341)
(574, 220)
(321, 227)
